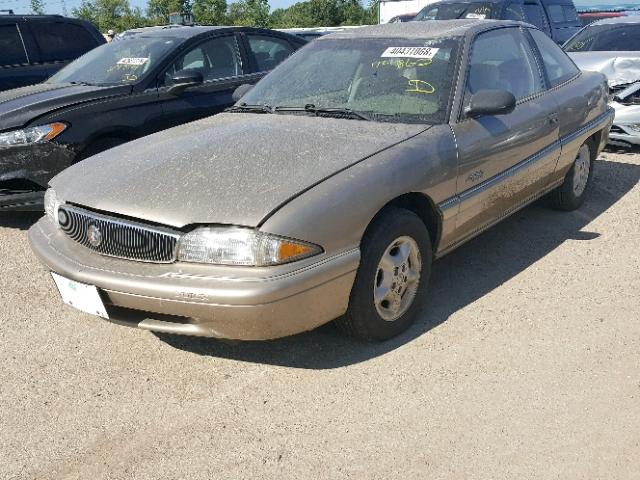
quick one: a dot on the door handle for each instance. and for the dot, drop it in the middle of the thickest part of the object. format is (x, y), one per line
(553, 119)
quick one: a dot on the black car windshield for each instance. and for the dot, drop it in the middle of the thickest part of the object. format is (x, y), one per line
(452, 11)
(606, 38)
(116, 63)
(396, 80)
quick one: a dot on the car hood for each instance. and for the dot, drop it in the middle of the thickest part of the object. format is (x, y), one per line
(233, 168)
(20, 106)
(619, 67)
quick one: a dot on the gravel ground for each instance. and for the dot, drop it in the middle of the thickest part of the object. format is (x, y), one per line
(525, 365)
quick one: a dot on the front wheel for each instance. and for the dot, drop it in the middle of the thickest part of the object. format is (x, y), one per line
(571, 194)
(391, 282)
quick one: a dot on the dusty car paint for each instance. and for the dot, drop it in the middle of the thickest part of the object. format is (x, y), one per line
(115, 112)
(322, 180)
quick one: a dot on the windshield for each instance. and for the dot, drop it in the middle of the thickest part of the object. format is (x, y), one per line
(452, 11)
(606, 38)
(116, 63)
(393, 80)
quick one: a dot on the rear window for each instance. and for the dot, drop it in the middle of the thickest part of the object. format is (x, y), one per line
(452, 11)
(61, 41)
(11, 46)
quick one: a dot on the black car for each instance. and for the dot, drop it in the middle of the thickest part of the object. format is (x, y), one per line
(556, 18)
(124, 90)
(34, 47)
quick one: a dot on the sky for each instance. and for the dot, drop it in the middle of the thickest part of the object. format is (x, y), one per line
(57, 6)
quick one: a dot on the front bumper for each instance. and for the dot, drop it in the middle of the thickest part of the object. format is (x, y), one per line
(623, 135)
(26, 170)
(201, 300)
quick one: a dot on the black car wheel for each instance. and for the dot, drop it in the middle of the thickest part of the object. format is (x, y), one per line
(391, 282)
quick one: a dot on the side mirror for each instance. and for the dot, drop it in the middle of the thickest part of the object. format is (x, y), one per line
(490, 102)
(184, 79)
(241, 91)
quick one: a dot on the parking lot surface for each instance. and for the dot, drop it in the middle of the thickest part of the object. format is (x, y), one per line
(526, 364)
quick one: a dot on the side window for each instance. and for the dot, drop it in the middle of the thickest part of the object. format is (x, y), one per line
(514, 11)
(502, 59)
(11, 46)
(555, 13)
(268, 51)
(61, 41)
(535, 15)
(215, 58)
(558, 65)
(570, 14)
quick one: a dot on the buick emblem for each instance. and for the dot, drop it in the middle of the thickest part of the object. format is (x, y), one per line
(94, 235)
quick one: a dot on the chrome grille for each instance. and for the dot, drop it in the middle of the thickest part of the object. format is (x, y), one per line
(117, 237)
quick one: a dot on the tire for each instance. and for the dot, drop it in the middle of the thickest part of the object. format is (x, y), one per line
(573, 191)
(396, 233)
(99, 145)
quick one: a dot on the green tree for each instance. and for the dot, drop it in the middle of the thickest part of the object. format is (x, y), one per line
(37, 7)
(158, 10)
(254, 13)
(371, 15)
(210, 12)
(324, 13)
(110, 14)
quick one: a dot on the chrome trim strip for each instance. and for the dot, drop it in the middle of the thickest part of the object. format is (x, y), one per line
(490, 182)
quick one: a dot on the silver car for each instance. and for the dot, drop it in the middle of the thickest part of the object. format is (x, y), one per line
(612, 47)
(328, 189)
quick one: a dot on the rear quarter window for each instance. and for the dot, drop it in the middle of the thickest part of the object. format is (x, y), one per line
(557, 64)
(60, 41)
(11, 47)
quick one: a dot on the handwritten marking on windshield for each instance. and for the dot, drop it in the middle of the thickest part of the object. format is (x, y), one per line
(401, 63)
(420, 86)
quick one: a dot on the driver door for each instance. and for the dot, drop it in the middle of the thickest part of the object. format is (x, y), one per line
(219, 61)
(504, 160)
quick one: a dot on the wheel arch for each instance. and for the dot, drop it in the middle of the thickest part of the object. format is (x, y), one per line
(424, 207)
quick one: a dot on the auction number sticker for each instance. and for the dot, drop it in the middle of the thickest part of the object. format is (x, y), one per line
(478, 16)
(133, 61)
(410, 52)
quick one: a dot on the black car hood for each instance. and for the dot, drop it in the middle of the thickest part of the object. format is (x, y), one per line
(20, 106)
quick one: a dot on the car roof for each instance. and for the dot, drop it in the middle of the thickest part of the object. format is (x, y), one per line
(185, 31)
(429, 28)
(612, 20)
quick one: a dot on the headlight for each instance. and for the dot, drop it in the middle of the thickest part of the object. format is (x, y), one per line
(28, 136)
(241, 246)
(635, 127)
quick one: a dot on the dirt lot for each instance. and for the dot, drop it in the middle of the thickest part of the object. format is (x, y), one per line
(526, 365)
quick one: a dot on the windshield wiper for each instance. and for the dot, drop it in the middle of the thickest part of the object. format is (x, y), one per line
(329, 111)
(244, 107)
(84, 84)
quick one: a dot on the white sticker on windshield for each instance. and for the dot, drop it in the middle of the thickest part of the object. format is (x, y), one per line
(478, 16)
(132, 61)
(409, 52)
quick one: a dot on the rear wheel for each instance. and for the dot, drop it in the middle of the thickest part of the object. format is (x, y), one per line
(571, 194)
(391, 282)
